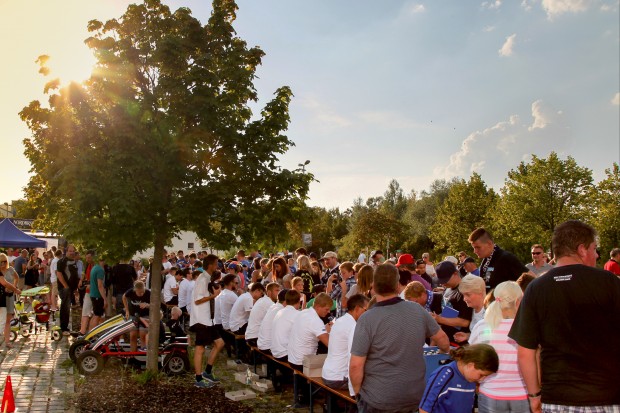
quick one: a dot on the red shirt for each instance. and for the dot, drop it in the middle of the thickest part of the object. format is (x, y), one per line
(613, 267)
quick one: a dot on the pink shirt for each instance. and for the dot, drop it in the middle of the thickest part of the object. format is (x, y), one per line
(507, 383)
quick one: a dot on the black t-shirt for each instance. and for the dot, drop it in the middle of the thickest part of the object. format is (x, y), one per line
(309, 281)
(436, 303)
(504, 266)
(133, 301)
(123, 276)
(573, 313)
(69, 270)
(454, 299)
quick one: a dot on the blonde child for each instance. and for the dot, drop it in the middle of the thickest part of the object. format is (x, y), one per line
(298, 284)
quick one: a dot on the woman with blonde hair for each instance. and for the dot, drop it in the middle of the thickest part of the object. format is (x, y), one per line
(364, 282)
(504, 391)
(8, 285)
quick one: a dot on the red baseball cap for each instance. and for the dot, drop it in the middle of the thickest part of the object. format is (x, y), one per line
(405, 259)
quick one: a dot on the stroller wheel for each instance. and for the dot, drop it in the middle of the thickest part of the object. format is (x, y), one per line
(90, 362)
(25, 331)
(13, 335)
(56, 335)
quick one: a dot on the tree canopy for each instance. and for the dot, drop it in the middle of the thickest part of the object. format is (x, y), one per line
(161, 138)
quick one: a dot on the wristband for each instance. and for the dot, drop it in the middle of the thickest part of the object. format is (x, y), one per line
(532, 396)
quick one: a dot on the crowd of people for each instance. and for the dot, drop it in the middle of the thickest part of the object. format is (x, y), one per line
(537, 337)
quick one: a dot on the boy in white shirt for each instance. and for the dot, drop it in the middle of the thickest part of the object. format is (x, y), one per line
(259, 311)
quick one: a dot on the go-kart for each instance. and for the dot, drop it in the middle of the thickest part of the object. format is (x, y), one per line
(80, 342)
(173, 356)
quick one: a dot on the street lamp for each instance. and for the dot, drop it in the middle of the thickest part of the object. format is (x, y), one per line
(8, 211)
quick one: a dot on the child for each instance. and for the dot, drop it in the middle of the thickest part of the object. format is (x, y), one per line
(451, 388)
(298, 284)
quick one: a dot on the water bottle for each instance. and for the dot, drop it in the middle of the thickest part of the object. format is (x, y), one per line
(248, 377)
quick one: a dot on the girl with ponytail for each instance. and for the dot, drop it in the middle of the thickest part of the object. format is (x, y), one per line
(504, 391)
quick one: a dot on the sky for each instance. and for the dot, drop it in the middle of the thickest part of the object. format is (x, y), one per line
(407, 90)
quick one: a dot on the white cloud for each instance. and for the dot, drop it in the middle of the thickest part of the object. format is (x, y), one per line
(488, 29)
(412, 8)
(508, 45)
(321, 115)
(543, 115)
(555, 8)
(491, 5)
(496, 149)
(616, 99)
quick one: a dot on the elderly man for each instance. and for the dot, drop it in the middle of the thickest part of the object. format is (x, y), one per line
(497, 265)
(539, 264)
(572, 314)
(387, 366)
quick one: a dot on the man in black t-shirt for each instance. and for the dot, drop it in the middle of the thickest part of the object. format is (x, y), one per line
(67, 274)
(448, 275)
(571, 313)
(137, 301)
(123, 277)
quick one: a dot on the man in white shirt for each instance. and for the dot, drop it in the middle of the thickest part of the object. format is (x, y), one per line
(54, 280)
(264, 333)
(186, 288)
(305, 335)
(259, 311)
(201, 323)
(240, 312)
(336, 367)
(171, 289)
(282, 325)
(227, 298)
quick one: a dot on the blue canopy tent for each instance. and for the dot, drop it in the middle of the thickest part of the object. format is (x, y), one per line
(11, 236)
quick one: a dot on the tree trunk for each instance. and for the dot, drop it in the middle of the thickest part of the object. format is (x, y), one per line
(152, 362)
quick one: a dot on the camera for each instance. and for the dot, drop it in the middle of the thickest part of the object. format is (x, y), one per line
(213, 285)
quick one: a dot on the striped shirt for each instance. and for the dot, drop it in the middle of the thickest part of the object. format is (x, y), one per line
(507, 383)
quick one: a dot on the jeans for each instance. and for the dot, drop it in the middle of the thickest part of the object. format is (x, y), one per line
(65, 308)
(489, 405)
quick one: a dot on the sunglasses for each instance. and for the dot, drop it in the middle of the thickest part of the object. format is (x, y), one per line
(536, 253)
(2, 262)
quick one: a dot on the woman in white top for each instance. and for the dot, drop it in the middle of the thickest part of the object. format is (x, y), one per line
(8, 280)
(505, 390)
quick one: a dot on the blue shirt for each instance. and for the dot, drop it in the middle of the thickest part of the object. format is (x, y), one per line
(447, 391)
(18, 264)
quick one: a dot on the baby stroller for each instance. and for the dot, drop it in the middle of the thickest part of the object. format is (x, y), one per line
(25, 324)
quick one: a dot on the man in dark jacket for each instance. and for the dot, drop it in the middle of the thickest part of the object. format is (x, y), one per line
(497, 265)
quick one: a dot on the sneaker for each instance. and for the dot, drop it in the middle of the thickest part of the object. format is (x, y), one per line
(202, 384)
(210, 377)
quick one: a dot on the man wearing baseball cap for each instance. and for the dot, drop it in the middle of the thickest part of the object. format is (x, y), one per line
(330, 261)
(448, 276)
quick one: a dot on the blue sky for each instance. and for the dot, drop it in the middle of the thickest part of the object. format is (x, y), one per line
(412, 91)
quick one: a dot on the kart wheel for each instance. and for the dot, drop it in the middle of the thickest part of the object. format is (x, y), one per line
(13, 335)
(176, 363)
(90, 362)
(56, 335)
(76, 348)
(25, 331)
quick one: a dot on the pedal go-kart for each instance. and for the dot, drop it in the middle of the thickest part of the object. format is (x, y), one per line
(173, 355)
(93, 335)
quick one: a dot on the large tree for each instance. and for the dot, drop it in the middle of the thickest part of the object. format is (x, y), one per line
(605, 206)
(467, 206)
(161, 138)
(539, 195)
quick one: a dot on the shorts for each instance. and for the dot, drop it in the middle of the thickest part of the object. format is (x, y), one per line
(205, 335)
(98, 307)
(87, 308)
(141, 326)
(55, 288)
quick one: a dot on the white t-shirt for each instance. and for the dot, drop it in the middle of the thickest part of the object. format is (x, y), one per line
(53, 269)
(349, 345)
(336, 365)
(476, 318)
(188, 290)
(282, 325)
(256, 316)
(166, 264)
(264, 332)
(240, 312)
(225, 301)
(430, 270)
(184, 285)
(361, 257)
(201, 313)
(305, 336)
(168, 285)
